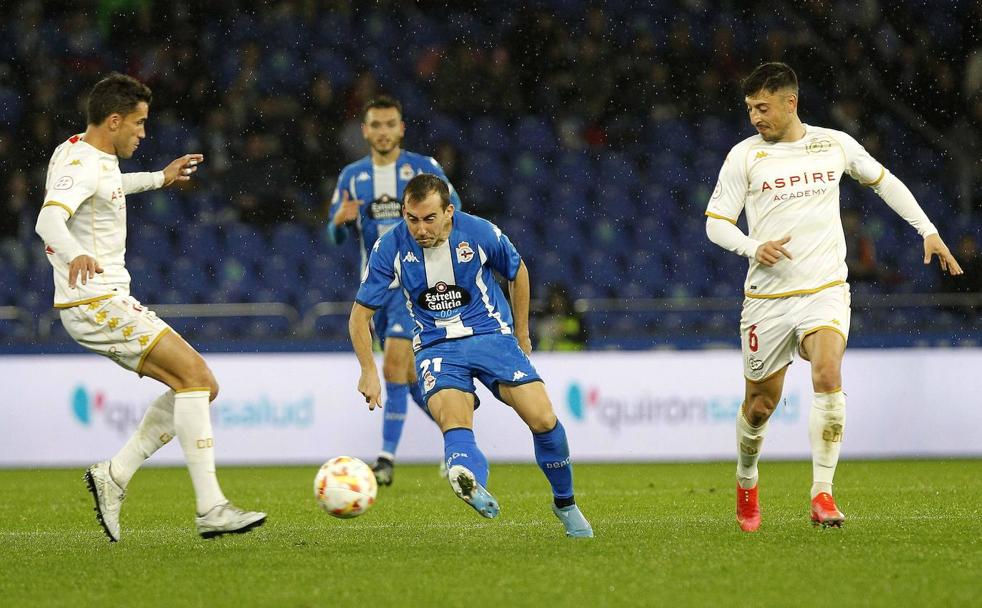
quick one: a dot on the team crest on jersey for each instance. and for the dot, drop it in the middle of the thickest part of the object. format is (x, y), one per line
(406, 172)
(817, 146)
(429, 381)
(464, 252)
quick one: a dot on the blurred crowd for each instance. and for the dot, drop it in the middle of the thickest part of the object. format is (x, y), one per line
(270, 92)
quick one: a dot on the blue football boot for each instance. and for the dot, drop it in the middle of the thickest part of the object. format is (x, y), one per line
(465, 486)
(576, 525)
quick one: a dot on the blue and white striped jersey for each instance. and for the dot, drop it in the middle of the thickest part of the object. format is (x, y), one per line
(450, 289)
(381, 188)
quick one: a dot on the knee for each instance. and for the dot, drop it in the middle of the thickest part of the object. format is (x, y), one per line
(393, 371)
(826, 377)
(198, 374)
(759, 408)
(542, 422)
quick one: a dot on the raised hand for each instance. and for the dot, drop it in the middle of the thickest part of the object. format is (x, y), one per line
(181, 169)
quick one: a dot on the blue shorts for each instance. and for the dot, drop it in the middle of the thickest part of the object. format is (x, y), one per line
(491, 358)
(392, 320)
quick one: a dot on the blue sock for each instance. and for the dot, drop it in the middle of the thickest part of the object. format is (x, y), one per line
(395, 416)
(552, 454)
(459, 447)
(417, 394)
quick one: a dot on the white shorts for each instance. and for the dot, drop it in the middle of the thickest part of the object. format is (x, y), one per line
(772, 329)
(118, 327)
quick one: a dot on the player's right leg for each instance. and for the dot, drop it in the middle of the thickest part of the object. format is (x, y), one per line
(760, 400)
(175, 363)
(467, 467)
(768, 342)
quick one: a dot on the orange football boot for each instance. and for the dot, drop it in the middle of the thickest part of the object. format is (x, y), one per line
(824, 511)
(748, 509)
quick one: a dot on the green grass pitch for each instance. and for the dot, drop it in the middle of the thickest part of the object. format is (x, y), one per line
(666, 536)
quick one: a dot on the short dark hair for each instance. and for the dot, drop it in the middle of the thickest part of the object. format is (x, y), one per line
(381, 102)
(423, 185)
(115, 94)
(770, 77)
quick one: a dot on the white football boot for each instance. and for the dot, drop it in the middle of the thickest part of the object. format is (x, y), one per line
(226, 518)
(108, 498)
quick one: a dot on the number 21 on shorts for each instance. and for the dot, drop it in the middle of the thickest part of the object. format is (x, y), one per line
(424, 365)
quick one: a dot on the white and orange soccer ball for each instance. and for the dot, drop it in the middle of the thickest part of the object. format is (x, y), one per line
(345, 487)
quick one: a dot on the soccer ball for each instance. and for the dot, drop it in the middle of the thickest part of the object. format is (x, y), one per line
(345, 487)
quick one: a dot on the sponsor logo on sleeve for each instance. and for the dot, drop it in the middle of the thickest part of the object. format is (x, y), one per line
(64, 183)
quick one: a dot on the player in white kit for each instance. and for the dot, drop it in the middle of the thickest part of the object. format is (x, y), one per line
(786, 179)
(83, 225)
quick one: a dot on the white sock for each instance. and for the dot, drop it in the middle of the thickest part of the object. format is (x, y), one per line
(749, 440)
(155, 430)
(193, 423)
(826, 422)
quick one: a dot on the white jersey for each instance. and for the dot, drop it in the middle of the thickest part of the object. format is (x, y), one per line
(87, 183)
(792, 189)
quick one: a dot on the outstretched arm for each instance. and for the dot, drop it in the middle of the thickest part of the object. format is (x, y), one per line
(518, 293)
(899, 198)
(179, 170)
(361, 341)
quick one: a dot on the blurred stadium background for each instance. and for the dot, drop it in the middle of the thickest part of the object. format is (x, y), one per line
(590, 132)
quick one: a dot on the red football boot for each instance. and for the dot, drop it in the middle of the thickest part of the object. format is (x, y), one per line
(748, 509)
(824, 511)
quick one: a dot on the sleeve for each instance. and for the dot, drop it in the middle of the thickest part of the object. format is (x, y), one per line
(379, 274)
(437, 170)
(71, 184)
(866, 170)
(730, 193)
(731, 238)
(338, 234)
(860, 165)
(54, 232)
(141, 182)
(502, 254)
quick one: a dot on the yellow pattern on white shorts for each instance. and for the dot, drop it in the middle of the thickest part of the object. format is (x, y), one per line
(118, 327)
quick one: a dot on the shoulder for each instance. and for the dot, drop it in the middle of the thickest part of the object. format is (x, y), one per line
(353, 169)
(840, 137)
(73, 158)
(421, 161)
(391, 240)
(737, 156)
(477, 228)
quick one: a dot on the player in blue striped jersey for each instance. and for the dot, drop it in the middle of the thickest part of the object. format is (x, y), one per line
(368, 202)
(444, 262)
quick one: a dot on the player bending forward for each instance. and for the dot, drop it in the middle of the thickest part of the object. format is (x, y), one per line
(83, 225)
(786, 179)
(444, 260)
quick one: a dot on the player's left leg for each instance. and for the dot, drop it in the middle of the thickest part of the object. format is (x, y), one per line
(827, 419)
(397, 368)
(532, 404)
